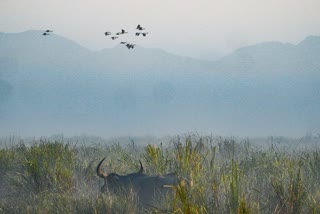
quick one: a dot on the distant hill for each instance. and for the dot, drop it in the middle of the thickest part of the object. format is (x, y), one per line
(31, 47)
(274, 57)
(50, 84)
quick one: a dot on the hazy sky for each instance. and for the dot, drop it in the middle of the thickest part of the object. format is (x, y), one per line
(198, 28)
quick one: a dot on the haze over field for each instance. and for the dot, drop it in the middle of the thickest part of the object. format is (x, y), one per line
(246, 68)
(53, 85)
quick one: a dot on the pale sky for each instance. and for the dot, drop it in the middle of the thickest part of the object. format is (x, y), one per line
(198, 28)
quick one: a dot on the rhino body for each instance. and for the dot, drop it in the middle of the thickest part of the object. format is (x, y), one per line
(148, 189)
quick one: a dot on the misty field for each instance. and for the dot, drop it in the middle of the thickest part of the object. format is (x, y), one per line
(229, 175)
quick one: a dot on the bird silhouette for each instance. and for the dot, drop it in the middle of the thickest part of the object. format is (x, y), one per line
(123, 31)
(107, 33)
(144, 34)
(49, 31)
(123, 43)
(130, 46)
(137, 33)
(114, 37)
(45, 34)
(139, 27)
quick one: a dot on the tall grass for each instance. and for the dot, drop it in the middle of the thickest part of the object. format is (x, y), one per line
(47, 166)
(217, 175)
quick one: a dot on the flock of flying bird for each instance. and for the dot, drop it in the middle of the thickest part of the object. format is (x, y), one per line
(141, 31)
(47, 32)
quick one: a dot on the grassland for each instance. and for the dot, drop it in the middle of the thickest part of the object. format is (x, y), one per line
(229, 175)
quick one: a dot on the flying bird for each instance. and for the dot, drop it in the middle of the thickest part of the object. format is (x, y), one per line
(45, 34)
(130, 46)
(123, 43)
(107, 33)
(114, 37)
(137, 33)
(49, 31)
(139, 27)
(123, 31)
(144, 34)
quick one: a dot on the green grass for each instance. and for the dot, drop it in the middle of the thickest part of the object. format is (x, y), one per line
(225, 175)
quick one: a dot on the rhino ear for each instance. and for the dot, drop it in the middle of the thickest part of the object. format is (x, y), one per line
(141, 168)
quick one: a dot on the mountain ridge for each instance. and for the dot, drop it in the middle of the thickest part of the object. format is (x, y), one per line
(51, 87)
(246, 53)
